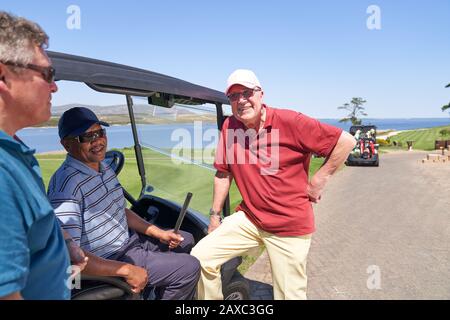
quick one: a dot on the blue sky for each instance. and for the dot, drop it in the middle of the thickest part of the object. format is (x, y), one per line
(310, 56)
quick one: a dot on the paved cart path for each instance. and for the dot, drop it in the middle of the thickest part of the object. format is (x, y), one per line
(382, 233)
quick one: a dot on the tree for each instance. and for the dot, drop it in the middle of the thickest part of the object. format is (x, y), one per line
(446, 106)
(356, 111)
(444, 133)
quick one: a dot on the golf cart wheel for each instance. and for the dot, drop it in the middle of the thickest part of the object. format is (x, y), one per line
(237, 289)
(377, 161)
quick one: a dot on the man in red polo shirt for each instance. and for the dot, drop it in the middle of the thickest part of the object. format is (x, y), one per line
(267, 152)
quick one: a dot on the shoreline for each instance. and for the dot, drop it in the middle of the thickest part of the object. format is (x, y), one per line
(391, 133)
(51, 152)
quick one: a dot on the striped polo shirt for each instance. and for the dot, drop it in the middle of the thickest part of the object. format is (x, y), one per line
(90, 206)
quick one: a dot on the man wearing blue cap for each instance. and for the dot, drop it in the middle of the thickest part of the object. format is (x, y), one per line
(89, 202)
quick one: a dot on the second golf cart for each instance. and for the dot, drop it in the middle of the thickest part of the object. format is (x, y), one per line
(365, 152)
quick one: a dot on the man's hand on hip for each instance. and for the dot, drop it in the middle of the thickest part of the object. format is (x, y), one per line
(315, 188)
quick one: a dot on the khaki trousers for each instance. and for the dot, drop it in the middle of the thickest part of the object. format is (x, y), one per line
(235, 236)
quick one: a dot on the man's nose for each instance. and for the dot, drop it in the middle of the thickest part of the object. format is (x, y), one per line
(241, 97)
(53, 87)
(97, 139)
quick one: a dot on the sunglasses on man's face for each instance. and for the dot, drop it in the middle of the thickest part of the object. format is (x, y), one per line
(91, 136)
(48, 73)
(246, 94)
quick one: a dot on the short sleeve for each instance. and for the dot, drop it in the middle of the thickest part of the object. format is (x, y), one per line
(315, 136)
(14, 250)
(68, 212)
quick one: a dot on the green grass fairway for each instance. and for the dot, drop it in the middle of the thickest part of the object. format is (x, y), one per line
(171, 181)
(423, 139)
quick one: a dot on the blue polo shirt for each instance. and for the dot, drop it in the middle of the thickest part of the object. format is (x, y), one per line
(33, 254)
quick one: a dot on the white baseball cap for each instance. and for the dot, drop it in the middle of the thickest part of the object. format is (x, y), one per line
(246, 78)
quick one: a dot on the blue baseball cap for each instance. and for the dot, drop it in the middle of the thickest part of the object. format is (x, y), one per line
(76, 121)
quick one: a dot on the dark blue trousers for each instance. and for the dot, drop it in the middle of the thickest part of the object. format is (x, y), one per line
(174, 273)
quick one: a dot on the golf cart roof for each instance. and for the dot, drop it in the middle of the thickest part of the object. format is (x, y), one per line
(363, 128)
(111, 77)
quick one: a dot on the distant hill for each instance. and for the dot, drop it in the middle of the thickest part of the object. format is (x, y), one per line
(144, 114)
(121, 109)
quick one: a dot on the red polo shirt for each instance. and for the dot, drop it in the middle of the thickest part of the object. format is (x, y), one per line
(271, 168)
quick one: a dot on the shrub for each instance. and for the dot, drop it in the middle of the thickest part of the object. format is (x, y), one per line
(444, 132)
(383, 142)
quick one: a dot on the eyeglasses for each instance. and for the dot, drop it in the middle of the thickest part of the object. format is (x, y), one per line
(48, 73)
(246, 94)
(91, 136)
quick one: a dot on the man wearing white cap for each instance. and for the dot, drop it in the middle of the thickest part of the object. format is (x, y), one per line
(267, 152)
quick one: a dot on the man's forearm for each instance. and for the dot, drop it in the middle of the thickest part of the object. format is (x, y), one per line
(97, 266)
(66, 235)
(344, 146)
(141, 226)
(222, 183)
(12, 296)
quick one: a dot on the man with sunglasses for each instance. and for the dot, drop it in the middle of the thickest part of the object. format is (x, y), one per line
(90, 204)
(33, 254)
(267, 152)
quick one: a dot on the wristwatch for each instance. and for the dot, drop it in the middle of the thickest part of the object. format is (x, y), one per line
(215, 213)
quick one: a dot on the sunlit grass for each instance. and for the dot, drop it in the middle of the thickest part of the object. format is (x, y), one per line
(170, 180)
(423, 139)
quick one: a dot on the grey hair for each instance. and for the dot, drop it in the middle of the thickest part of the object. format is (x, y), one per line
(18, 36)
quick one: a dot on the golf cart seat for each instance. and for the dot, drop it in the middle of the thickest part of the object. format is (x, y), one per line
(103, 288)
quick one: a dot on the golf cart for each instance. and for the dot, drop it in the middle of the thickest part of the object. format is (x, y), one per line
(158, 204)
(365, 152)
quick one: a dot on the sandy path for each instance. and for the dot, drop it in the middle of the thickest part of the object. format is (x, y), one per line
(395, 219)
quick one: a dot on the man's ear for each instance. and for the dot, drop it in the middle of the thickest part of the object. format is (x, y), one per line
(2, 78)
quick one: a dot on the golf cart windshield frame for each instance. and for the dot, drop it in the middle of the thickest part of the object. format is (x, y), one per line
(161, 90)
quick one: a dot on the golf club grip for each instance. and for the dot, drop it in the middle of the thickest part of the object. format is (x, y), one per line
(183, 212)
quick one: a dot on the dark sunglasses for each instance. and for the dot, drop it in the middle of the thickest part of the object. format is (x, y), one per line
(91, 136)
(246, 94)
(48, 73)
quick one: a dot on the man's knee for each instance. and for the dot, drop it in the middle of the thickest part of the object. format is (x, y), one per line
(188, 242)
(191, 267)
(207, 262)
(194, 264)
(198, 252)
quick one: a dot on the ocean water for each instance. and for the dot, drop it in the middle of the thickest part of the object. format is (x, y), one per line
(169, 136)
